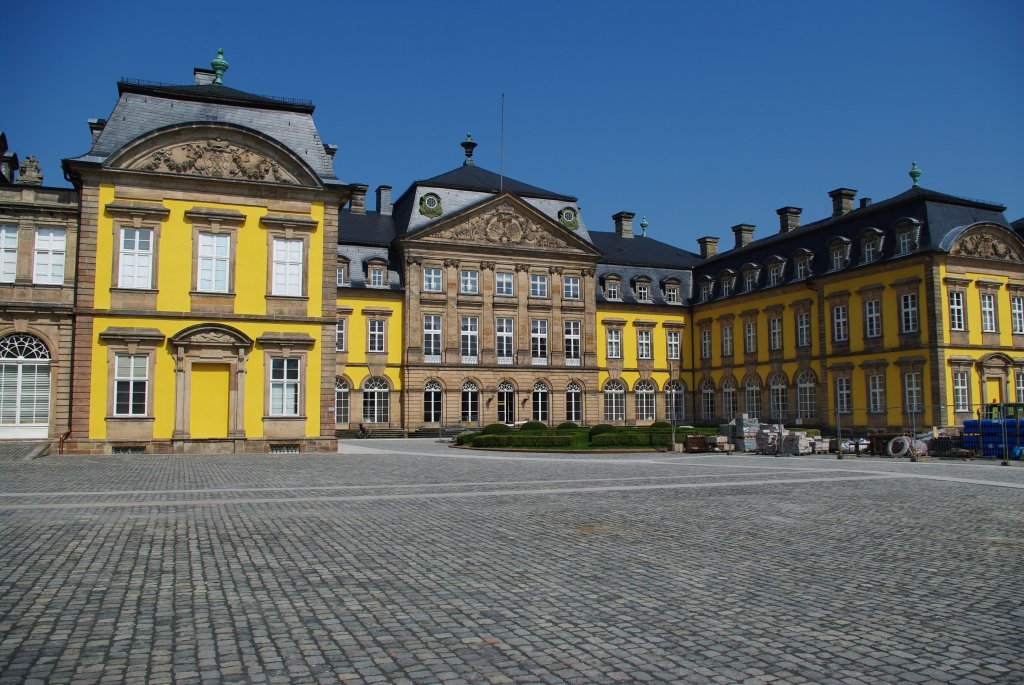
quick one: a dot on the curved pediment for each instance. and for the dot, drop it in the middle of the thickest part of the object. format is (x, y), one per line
(214, 151)
(211, 335)
(988, 241)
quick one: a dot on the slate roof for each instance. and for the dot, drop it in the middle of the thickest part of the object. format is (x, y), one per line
(142, 108)
(471, 177)
(628, 276)
(641, 251)
(939, 213)
(371, 228)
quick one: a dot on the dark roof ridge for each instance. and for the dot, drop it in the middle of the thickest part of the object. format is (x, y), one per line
(213, 94)
(485, 181)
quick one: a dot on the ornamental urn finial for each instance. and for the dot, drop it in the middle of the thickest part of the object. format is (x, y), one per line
(915, 173)
(468, 144)
(643, 227)
(220, 65)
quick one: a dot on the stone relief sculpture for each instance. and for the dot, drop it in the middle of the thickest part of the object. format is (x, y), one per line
(502, 225)
(216, 158)
(30, 173)
(985, 245)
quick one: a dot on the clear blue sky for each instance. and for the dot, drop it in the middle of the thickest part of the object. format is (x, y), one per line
(699, 115)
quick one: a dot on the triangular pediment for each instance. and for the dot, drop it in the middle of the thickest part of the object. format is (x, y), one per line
(504, 222)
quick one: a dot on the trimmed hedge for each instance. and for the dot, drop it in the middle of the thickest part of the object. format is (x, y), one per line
(601, 428)
(522, 441)
(533, 426)
(631, 439)
(496, 429)
(463, 438)
(661, 425)
(568, 425)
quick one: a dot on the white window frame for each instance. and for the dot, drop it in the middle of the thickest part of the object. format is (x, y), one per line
(803, 329)
(50, 254)
(540, 401)
(574, 402)
(644, 393)
(873, 318)
(705, 343)
(342, 274)
(378, 278)
(905, 242)
(988, 313)
(750, 280)
(8, 253)
(571, 288)
(285, 386)
(672, 344)
(504, 283)
(961, 390)
(957, 311)
(469, 282)
(912, 392)
(876, 393)
(778, 399)
(136, 381)
(340, 337)
(287, 269)
(614, 401)
(643, 292)
(432, 402)
(432, 333)
(837, 257)
(727, 341)
(135, 263)
(840, 323)
(504, 327)
(342, 400)
(469, 339)
(750, 337)
(612, 291)
(1017, 314)
(801, 268)
(643, 344)
(433, 279)
(538, 285)
(775, 333)
(573, 351)
(908, 313)
(672, 294)
(375, 335)
(613, 343)
(844, 395)
(707, 400)
(469, 403)
(539, 341)
(214, 261)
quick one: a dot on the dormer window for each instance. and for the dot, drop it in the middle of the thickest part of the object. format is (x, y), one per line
(342, 274)
(611, 288)
(377, 277)
(802, 264)
(750, 274)
(706, 290)
(776, 268)
(672, 294)
(906, 242)
(643, 292)
(907, 231)
(870, 245)
(838, 254)
(728, 280)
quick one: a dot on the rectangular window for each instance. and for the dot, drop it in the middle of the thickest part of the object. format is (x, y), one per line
(908, 313)
(706, 290)
(574, 404)
(432, 279)
(135, 260)
(49, 258)
(342, 274)
(957, 318)
(750, 280)
(906, 242)
(503, 283)
(672, 341)
(377, 279)
(611, 290)
(506, 347)
(8, 253)
(643, 292)
(801, 269)
(539, 340)
(837, 258)
(844, 395)
(705, 343)
(988, 312)
(912, 391)
(871, 250)
(571, 288)
(214, 262)
(775, 274)
(1017, 314)
(287, 267)
(432, 338)
(340, 339)
(469, 342)
(643, 344)
(469, 282)
(375, 335)
(672, 294)
(872, 318)
(613, 339)
(1019, 377)
(131, 384)
(840, 324)
(284, 386)
(727, 284)
(876, 393)
(775, 333)
(803, 329)
(961, 393)
(727, 344)
(572, 341)
(470, 405)
(750, 337)
(538, 285)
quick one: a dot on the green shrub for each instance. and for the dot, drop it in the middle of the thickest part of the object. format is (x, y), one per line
(533, 426)
(621, 439)
(661, 426)
(661, 439)
(568, 425)
(463, 438)
(490, 440)
(601, 428)
(496, 429)
(517, 440)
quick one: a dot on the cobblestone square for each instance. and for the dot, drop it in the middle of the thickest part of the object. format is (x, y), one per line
(403, 561)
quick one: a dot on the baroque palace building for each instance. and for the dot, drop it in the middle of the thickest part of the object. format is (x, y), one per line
(209, 284)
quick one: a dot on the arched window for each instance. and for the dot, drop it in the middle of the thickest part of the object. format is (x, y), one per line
(506, 403)
(806, 395)
(752, 397)
(432, 402)
(24, 386)
(675, 401)
(644, 391)
(729, 405)
(540, 402)
(341, 400)
(574, 402)
(778, 397)
(614, 401)
(707, 399)
(376, 396)
(470, 402)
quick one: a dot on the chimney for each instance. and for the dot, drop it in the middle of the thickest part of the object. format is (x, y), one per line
(204, 77)
(708, 246)
(789, 218)
(384, 200)
(624, 224)
(95, 129)
(864, 202)
(842, 200)
(744, 234)
(357, 202)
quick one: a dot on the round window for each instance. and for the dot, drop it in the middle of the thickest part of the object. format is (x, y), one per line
(568, 215)
(431, 202)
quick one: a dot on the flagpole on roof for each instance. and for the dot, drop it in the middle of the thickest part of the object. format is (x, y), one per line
(501, 149)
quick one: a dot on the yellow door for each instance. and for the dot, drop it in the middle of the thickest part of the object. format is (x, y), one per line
(993, 390)
(208, 409)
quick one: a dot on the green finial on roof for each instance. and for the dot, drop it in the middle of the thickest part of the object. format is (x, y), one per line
(220, 65)
(468, 146)
(643, 227)
(915, 173)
